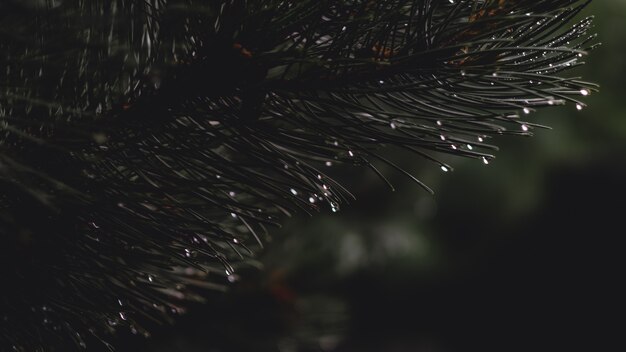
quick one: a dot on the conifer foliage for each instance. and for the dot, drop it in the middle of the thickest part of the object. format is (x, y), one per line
(146, 146)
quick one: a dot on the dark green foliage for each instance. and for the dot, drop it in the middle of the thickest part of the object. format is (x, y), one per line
(146, 145)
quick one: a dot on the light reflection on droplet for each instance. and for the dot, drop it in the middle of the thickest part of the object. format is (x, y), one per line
(584, 92)
(485, 161)
(579, 107)
(525, 128)
(293, 191)
(444, 169)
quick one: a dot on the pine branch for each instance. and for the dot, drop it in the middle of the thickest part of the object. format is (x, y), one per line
(148, 144)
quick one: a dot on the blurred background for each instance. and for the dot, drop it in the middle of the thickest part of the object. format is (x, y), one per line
(520, 254)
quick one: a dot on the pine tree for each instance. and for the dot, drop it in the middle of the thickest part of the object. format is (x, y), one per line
(147, 145)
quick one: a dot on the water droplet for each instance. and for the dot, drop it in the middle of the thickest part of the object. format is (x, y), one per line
(579, 107)
(232, 278)
(442, 137)
(232, 194)
(150, 278)
(235, 240)
(526, 111)
(350, 153)
(329, 163)
(485, 161)
(311, 200)
(439, 123)
(122, 316)
(584, 92)
(525, 128)
(233, 215)
(293, 191)
(444, 169)
(469, 146)
(334, 207)
(392, 125)
(480, 139)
